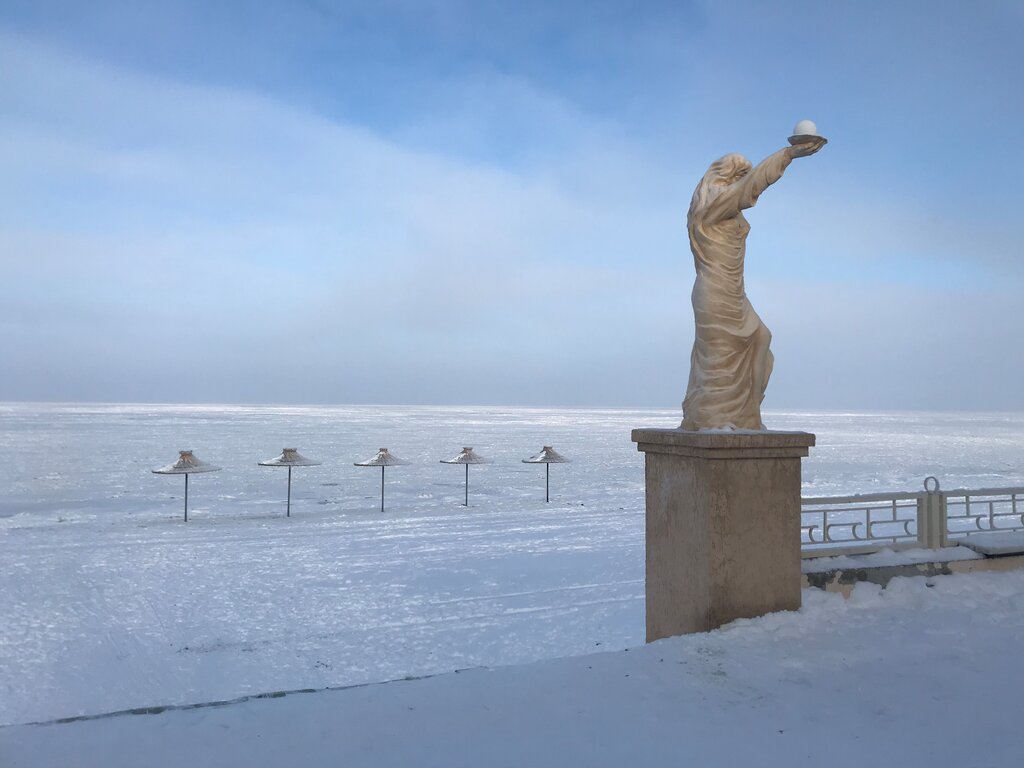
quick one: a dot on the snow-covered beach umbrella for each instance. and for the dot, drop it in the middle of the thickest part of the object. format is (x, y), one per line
(384, 458)
(547, 457)
(186, 465)
(289, 457)
(467, 456)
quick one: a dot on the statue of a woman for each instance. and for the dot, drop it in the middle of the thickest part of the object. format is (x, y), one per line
(731, 362)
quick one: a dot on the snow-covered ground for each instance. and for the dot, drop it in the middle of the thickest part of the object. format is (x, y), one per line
(109, 601)
(925, 673)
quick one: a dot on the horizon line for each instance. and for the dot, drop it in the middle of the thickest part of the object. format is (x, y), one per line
(777, 410)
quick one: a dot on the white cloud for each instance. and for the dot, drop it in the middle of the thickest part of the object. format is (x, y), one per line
(165, 240)
(240, 221)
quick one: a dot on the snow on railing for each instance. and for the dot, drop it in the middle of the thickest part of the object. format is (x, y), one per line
(927, 518)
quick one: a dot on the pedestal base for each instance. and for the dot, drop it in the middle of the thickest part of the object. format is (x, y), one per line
(723, 526)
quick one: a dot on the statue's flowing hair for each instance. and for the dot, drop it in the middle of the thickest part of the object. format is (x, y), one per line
(716, 179)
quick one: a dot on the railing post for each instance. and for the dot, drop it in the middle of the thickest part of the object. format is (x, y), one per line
(931, 516)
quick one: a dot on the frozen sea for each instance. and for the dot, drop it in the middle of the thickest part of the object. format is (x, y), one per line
(109, 601)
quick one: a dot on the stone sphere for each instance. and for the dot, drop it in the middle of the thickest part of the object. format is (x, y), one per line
(805, 128)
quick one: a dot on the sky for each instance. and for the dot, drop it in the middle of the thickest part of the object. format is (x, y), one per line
(449, 202)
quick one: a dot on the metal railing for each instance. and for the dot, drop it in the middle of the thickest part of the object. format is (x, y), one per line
(985, 509)
(927, 518)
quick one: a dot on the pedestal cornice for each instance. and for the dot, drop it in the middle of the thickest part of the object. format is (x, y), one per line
(738, 444)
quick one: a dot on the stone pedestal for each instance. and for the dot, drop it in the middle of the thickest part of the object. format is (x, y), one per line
(723, 526)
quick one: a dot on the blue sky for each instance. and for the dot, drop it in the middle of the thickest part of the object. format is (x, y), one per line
(473, 202)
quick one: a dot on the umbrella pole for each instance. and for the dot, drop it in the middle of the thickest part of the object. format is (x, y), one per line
(289, 512)
(381, 487)
(466, 503)
(186, 497)
(547, 483)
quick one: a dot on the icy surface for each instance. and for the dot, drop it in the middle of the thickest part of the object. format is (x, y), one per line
(110, 601)
(998, 543)
(924, 673)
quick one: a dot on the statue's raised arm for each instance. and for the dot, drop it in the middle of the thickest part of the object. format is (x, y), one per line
(739, 187)
(731, 362)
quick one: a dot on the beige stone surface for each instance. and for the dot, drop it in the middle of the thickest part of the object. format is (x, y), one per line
(723, 526)
(730, 363)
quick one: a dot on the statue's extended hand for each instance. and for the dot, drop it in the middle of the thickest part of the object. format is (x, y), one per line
(807, 148)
